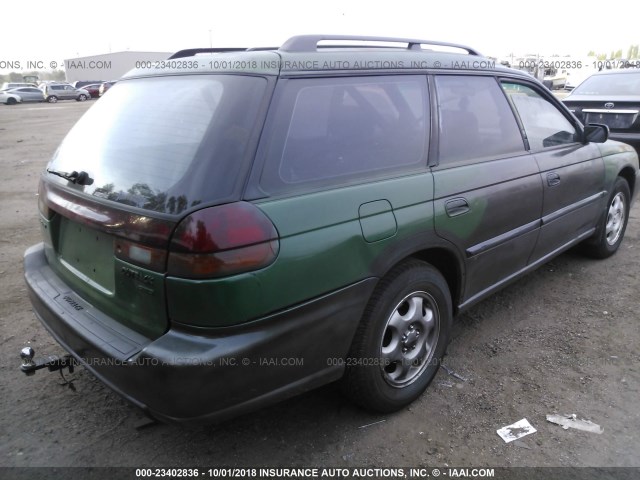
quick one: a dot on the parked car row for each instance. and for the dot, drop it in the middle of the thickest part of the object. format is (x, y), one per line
(52, 92)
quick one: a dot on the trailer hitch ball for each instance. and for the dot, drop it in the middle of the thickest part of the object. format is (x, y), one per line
(27, 354)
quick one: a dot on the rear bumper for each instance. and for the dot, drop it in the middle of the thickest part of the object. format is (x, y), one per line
(194, 375)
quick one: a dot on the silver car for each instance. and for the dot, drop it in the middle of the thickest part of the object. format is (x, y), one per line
(27, 94)
(9, 98)
(54, 92)
(11, 85)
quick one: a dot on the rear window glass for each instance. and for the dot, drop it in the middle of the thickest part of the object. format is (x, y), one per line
(610, 84)
(165, 144)
(336, 130)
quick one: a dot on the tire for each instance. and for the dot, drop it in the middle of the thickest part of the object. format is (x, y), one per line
(52, 99)
(11, 101)
(82, 98)
(610, 232)
(404, 333)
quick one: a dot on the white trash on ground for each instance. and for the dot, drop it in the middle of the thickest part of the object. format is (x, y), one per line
(571, 421)
(516, 430)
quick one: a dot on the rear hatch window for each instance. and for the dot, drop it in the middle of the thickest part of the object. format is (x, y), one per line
(165, 144)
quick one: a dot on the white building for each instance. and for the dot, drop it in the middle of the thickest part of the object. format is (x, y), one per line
(110, 66)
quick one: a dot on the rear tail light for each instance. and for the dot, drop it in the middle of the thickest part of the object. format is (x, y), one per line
(43, 205)
(212, 242)
(224, 240)
(141, 255)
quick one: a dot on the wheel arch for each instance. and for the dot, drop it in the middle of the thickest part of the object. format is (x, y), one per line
(630, 176)
(442, 256)
(449, 266)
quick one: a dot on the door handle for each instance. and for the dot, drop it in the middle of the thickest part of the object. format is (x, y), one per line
(456, 206)
(553, 179)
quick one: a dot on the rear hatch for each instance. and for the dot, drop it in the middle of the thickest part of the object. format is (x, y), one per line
(143, 157)
(620, 115)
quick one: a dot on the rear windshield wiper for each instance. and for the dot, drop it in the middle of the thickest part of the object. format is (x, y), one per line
(80, 178)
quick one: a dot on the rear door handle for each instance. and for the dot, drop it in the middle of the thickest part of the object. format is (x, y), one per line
(553, 179)
(456, 206)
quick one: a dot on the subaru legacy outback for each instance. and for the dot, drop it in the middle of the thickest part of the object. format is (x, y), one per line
(241, 225)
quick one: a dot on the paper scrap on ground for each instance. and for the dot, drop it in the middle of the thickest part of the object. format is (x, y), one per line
(570, 421)
(452, 373)
(516, 431)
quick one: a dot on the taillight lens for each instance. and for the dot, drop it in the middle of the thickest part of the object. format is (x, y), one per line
(224, 240)
(42, 202)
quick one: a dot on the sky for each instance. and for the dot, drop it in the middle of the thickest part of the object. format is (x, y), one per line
(494, 28)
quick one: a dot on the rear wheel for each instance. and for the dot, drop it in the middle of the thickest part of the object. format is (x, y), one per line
(401, 339)
(611, 230)
(52, 99)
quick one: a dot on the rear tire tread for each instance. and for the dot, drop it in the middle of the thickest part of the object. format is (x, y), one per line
(354, 383)
(597, 247)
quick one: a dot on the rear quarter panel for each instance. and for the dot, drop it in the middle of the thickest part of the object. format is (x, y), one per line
(322, 248)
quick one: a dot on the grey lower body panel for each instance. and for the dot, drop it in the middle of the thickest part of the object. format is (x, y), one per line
(194, 375)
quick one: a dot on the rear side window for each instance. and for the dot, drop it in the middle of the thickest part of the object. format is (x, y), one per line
(543, 123)
(476, 121)
(334, 130)
(167, 143)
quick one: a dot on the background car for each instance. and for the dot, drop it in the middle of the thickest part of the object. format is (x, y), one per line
(84, 83)
(93, 89)
(106, 86)
(28, 94)
(10, 85)
(55, 92)
(612, 98)
(9, 98)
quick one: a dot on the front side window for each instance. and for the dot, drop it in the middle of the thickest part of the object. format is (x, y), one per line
(476, 122)
(543, 123)
(334, 130)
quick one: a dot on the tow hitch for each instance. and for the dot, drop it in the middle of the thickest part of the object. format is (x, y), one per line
(52, 362)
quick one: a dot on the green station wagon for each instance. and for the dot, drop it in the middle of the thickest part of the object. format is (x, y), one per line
(237, 226)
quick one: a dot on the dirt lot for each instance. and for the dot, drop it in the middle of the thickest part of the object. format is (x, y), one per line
(564, 339)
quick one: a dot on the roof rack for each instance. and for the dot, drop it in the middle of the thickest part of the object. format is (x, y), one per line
(309, 43)
(190, 52)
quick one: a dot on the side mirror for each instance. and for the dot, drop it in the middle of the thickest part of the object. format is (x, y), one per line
(596, 132)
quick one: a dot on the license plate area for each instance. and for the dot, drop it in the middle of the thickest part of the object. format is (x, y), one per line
(88, 254)
(613, 120)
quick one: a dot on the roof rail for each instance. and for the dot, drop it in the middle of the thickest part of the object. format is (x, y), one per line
(309, 43)
(190, 52)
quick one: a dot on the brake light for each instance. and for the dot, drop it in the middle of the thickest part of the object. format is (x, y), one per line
(224, 240)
